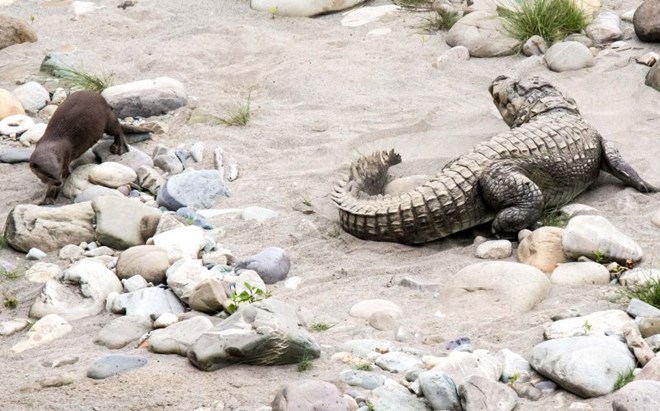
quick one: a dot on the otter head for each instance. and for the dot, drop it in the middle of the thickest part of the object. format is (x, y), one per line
(47, 167)
(520, 101)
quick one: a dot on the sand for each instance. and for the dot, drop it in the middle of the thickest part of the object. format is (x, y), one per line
(367, 93)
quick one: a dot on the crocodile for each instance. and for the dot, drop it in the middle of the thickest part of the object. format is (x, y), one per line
(548, 157)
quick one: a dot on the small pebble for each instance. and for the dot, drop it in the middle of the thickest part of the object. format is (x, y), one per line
(35, 254)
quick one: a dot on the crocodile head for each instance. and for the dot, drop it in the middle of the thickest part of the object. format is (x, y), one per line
(520, 101)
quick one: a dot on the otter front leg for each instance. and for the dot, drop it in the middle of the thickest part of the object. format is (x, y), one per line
(518, 200)
(120, 145)
(614, 164)
(52, 191)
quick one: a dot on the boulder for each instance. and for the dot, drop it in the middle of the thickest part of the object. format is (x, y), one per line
(460, 366)
(568, 56)
(637, 396)
(45, 330)
(15, 31)
(482, 33)
(9, 104)
(177, 338)
(582, 273)
(586, 235)
(122, 331)
(146, 98)
(118, 221)
(32, 95)
(439, 390)
(646, 21)
(148, 261)
(151, 301)
(309, 395)
(195, 189)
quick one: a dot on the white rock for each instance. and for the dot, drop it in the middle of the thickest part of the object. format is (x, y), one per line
(111, 174)
(639, 276)
(34, 134)
(42, 272)
(292, 283)
(575, 209)
(297, 8)
(10, 327)
(366, 308)
(382, 31)
(583, 273)
(366, 15)
(481, 32)
(460, 365)
(250, 277)
(165, 320)
(15, 124)
(45, 330)
(568, 56)
(35, 254)
(605, 28)
(494, 249)
(453, 55)
(71, 252)
(32, 95)
(586, 235)
(184, 275)
(187, 240)
(599, 323)
(197, 152)
(542, 248)
(628, 16)
(258, 214)
(134, 283)
(83, 7)
(78, 181)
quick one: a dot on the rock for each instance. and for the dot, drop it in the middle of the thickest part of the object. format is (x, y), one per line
(639, 347)
(481, 32)
(89, 284)
(384, 320)
(636, 308)
(15, 31)
(146, 98)
(504, 287)
(136, 282)
(49, 228)
(651, 371)
(113, 364)
(366, 15)
(220, 257)
(439, 390)
(32, 95)
(479, 393)
(177, 338)
(637, 395)
(45, 330)
(184, 275)
(575, 209)
(583, 273)
(208, 296)
(134, 158)
(121, 331)
(568, 56)
(197, 151)
(638, 277)
(249, 277)
(599, 323)
(646, 21)
(169, 163)
(512, 364)
(34, 134)
(9, 104)
(150, 179)
(188, 240)
(494, 249)
(151, 301)
(148, 261)
(364, 379)
(35, 254)
(309, 8)
(113, 175)
(165, 320)
(586, 234)
(56, 381)
(268, 332)
(118, 221)
(309, 394)
(78, 181)
(93, 191)
(649, 327)
(585, 366)
(16, 124)
(398, 362)
(42, 272)
(272, 264)
(258, 214)
(653, 341)
(535, 46)
(169, 221)
(394, 397)
(366, 308)
(366, 347)
(15, 155)
(196, 189)
(460, 366)
(11, 327)
(605, 28)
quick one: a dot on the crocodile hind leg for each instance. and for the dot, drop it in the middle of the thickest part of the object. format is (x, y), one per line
(614, 164)
(517, 200)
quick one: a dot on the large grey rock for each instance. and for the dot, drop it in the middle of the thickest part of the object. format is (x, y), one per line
(599, 323)
(460, 366)
(134, 158)
(184, 275)
(49, 228)
(586, 234)
(113, 364)
(32, 95)
(118, 221)
(15, 155)
(148, 261)
(582, 273)
(45, 330)
(504, 287)
(646, 21)
(122, 331)
(394, 397)
(364, 379)
(568, 56)
(481, 32)
(15, 31)
(146, 98)
(309, 395)
(177, 338)
(605, 28)
(147, 302)
(481, 394)
(439, 390)
(585, 366)
(637, 396)
(268, 332)
(272, 264)
(82, 292)
(195, 189)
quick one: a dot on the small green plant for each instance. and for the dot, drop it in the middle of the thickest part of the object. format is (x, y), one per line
(240, 115)
(370, 406)
(554, 217)
(320, 326)
(272, 11)
(417, 5)
(305, 363)
(624, 378)
(188, 220)
(441, 19)
(86, 81)
(250, 295)
(647, 291)
(599, 257)
(11, 274)
(551, 19)
(513, 378)
(3, 241)
(364, 366)
(10, 301)
(586, 327)
(32, 19)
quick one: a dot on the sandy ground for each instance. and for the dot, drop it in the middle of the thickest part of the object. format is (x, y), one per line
(370, 92)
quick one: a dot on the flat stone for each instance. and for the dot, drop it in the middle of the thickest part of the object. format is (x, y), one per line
(184, 275)
(600, 323)
(42, 272)
(394, 397)
(638, 277)
(118, 221)
(146, 98)
(582, 273)
(586, 234)
(481, 32)
(479, 393)
(366, 308)
(147, 302)
(398, 362)
(93, 191)
(439, 390)
(365, 379)
(638, 308)
(113, 364)
(309, 395)
(45, 330)
(112, 175)
(272, 264)
(15, 155)
(177, 338)
(57, 380)
(258, 214)
(134, 158)
(585, 366)
(121, 331)
(494, 249)
(637, 396)
(196, 189)
(460, 366)
(10, 327)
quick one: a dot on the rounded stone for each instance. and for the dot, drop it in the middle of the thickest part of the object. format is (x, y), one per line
(366, 308)
(582, 273)
(494, 249)
(32, 95)
(542, 249)
(9, 104)
(568, 56)
(149, 261)
(42, 272)
(113, 175)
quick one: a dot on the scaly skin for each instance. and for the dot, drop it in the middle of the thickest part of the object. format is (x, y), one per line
(549, 156)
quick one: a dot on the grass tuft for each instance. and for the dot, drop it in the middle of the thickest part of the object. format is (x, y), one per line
(82, 80)
(440, 20)
(364, 366)
(648, 291)
(551, 19)
(624, 378)
(320, 326)
(417, 5)
(10, 302)
(304, 364)
(239, 116)
(10, 274)
(553, 217)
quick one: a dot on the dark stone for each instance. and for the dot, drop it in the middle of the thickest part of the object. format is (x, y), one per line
(647, 21)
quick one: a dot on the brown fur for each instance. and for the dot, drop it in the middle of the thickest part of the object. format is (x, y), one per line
(75, 127)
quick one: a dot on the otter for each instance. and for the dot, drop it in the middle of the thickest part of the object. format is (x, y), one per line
(77, 124)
